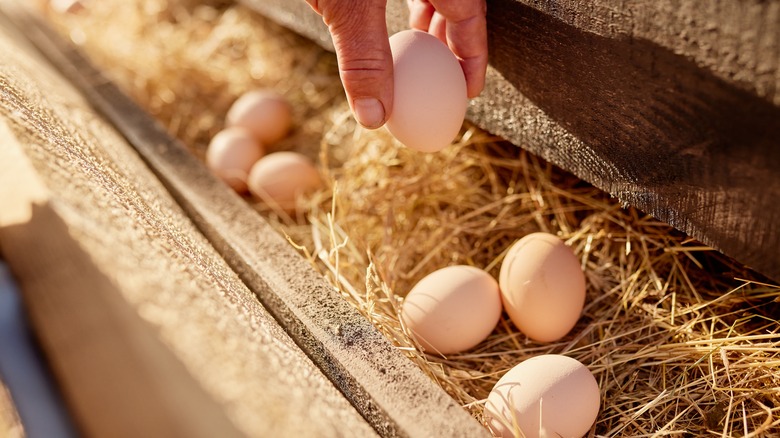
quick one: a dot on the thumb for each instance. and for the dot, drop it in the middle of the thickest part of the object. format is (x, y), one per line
(359, 34)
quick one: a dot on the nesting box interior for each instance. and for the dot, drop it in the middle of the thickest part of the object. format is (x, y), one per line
(681, 338)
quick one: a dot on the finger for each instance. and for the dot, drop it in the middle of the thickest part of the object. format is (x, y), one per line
(438, 27)
(467, 38)
(420, 14)
(359, 35)
(314, 5)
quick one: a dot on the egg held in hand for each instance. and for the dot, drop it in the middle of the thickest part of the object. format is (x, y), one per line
(265, 113)
(452, 309)
(542, 287)
(545, 396)
(230, 155)
(280, 178)
(430, 97)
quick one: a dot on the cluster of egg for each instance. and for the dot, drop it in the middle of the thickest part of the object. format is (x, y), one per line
(237, 154)
(541, 287)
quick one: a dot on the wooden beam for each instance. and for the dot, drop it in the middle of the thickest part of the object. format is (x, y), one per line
(673, 107)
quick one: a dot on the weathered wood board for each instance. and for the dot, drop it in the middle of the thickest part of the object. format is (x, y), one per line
(671, 106)
(148, 331)
(390, 392)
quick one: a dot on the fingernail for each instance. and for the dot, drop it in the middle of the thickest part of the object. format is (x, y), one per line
(369, 112)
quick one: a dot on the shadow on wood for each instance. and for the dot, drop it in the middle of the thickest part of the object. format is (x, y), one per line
(117, 377)
(687, 147)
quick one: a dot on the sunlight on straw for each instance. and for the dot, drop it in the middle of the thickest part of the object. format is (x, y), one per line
(661, 307)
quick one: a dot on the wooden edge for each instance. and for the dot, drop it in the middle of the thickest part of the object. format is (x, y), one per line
(116, 376)
(391, 393)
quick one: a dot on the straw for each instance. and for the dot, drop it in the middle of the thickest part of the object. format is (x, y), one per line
(682, 340)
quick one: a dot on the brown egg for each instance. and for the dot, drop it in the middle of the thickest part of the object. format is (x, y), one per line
(280, 178)
(542, 287)
(266, 113)
(231, 154)
(545, 396)
(452, 309)
(430, 97)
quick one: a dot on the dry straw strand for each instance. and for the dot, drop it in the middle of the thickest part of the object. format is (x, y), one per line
(682, 341)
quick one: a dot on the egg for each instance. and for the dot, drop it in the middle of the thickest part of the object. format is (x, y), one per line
(545, 396)
(452, 309)
(230, 155)
(280, 178)
(430, 98)
(266, 113)
(542, 287)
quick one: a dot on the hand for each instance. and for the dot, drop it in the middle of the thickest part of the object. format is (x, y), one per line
(359, 34)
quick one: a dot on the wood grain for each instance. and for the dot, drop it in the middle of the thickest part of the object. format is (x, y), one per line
(118, 378)
(647, 125)
(671, 106)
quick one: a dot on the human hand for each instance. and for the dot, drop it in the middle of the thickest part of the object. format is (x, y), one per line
(359, 34)
(462, 26)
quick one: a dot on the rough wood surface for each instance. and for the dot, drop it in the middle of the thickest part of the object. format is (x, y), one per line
(672, 106)
(118, 378)
(386, 388)
(148, 330)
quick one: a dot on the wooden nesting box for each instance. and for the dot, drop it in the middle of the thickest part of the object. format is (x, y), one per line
(671, 106)
(165, 306)
(163, 303)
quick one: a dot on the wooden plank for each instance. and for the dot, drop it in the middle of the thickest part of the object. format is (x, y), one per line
(99, 347)
(385, 387)
(147, 329)
(671, 106)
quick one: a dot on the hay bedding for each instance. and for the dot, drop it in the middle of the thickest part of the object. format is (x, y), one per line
(682, 341)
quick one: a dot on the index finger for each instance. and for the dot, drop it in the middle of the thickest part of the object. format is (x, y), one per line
(467, 38)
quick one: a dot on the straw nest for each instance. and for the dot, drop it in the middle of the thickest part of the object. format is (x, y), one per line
(681, 340)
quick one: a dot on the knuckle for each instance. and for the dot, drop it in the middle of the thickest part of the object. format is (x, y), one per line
(363, 64)
(458, 11)
(314, 4)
